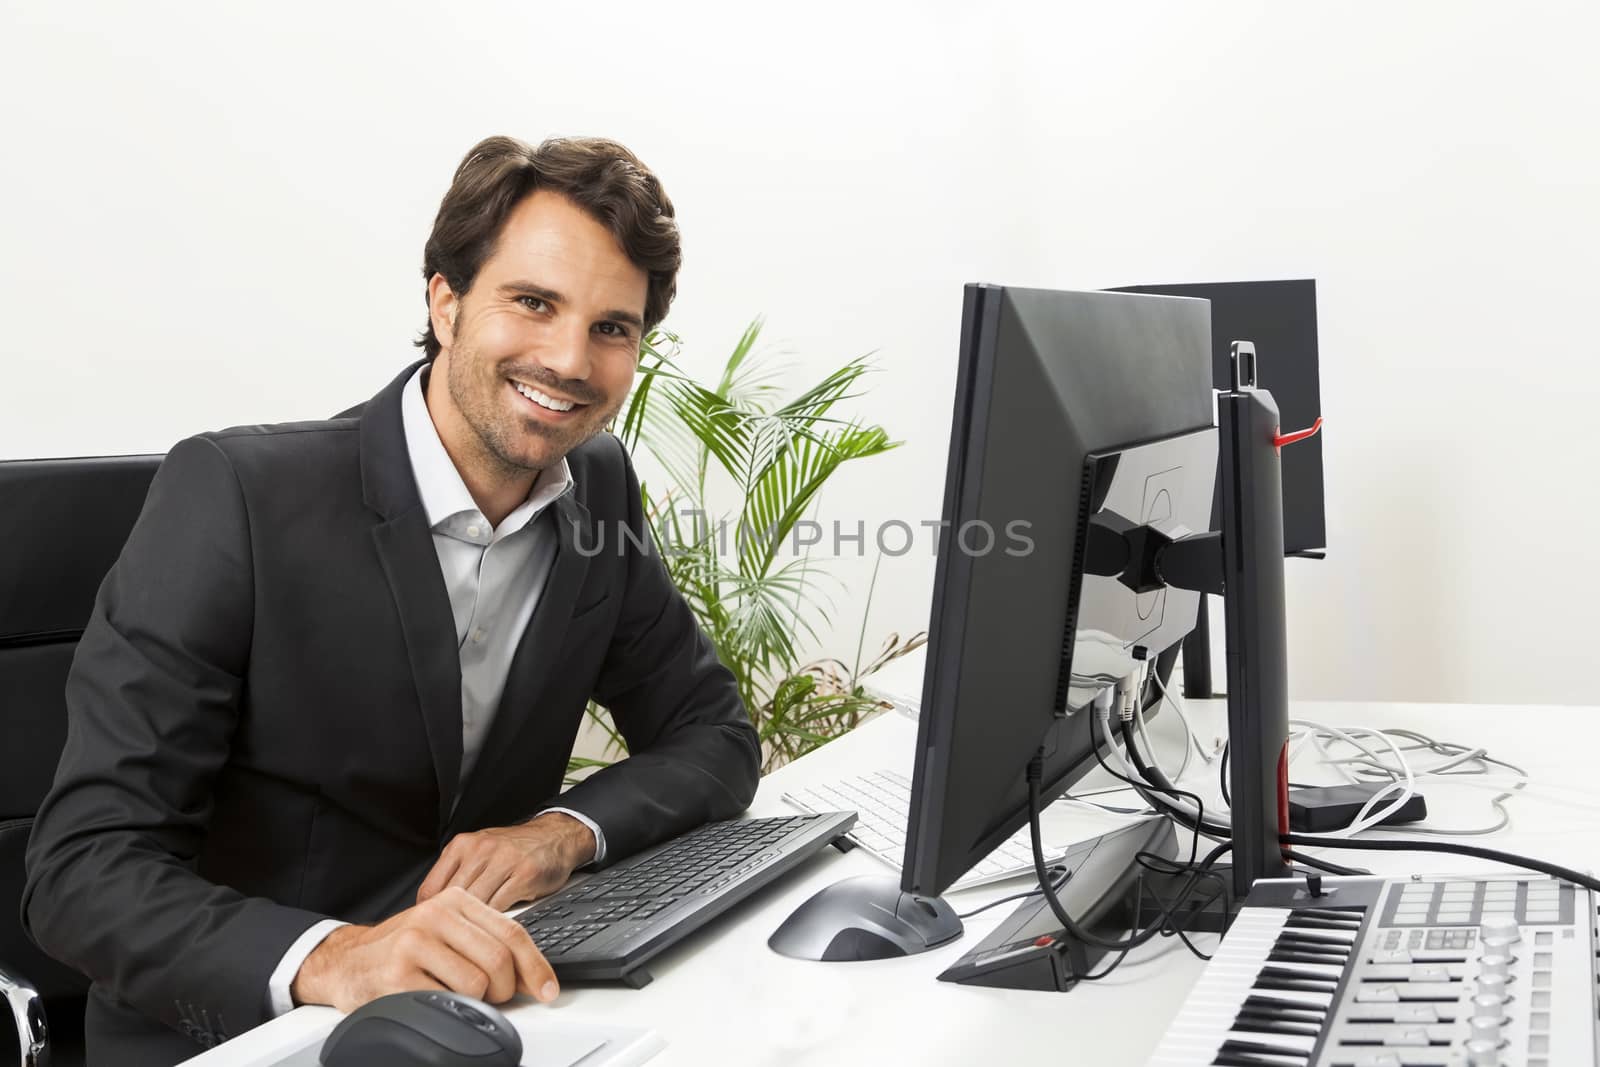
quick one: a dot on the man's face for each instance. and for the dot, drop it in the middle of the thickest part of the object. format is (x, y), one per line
(539, 355)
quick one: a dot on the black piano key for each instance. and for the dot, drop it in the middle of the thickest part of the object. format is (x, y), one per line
(1295, 975)
(1294, 955)
(1255, 1024)
(1289, 981)
(1286, 985)
(1245, 1059)
(1346, 914)
(1328, 942)
(1325, 924)
(1287, 1009)
(1252, 1054)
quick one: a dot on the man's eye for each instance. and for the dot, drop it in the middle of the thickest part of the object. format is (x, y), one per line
(613, 329)
(529, 302)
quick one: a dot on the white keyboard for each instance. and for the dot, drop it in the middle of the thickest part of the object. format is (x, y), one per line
(882, 801)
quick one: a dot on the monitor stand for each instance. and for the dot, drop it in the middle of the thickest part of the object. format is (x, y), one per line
(865, 918)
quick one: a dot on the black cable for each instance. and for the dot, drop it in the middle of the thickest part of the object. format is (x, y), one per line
(997, 903)
(1324, 865)
(1555, 870)
(1183, 935)
(1162, 865)
(1008, 899)
(1145, 790)
(1035, 774)
(1158, 780)
(1177, 815)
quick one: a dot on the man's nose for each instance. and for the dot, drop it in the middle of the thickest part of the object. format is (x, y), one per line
(567, 353)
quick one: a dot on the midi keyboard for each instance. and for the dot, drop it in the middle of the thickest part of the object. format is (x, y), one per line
(1420, 972)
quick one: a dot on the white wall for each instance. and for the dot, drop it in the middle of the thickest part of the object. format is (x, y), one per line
(214, 215)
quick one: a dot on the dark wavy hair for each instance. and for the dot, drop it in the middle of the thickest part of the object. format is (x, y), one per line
(600, 176)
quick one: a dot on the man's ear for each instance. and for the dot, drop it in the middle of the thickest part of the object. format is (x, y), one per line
(443, 307)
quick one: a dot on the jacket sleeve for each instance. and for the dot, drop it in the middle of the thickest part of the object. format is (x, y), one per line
(693, 754)
(152, 702)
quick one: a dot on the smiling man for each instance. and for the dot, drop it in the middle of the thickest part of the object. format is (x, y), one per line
(320, 718)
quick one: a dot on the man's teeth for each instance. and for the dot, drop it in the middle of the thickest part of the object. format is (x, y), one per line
(542, 400)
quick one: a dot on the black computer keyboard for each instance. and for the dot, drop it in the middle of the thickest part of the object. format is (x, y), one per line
(609, 925)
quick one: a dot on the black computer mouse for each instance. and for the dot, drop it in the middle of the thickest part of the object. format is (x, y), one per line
(423, 1029)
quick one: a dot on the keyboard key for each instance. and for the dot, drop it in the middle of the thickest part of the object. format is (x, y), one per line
(882, 801)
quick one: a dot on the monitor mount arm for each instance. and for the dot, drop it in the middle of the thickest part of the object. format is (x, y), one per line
(1246, 560)
(1144, 559)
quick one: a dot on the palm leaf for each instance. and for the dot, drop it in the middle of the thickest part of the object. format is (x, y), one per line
(787, 485)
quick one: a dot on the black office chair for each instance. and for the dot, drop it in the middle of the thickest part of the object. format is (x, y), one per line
(62, 525)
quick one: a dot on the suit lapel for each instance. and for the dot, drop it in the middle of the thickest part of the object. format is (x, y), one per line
(405, 548)
(405, 545)
(533, 661)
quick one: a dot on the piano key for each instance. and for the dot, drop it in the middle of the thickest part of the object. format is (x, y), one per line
(1234, 1058)
(1291, 1049)
(1290, 956)
(1309, 922)
(1249, 1023)
(1283, 1007)
(1335, 946)
(1309, 968)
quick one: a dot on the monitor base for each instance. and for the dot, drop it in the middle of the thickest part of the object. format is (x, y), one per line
(865, 918)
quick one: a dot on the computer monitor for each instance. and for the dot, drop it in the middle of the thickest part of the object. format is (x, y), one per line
(1081, 443)
(1054, 390)
(1281, 318)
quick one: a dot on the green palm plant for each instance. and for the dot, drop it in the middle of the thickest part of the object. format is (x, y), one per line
(756, 606)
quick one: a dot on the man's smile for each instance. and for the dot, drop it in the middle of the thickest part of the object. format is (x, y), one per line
(546, 406)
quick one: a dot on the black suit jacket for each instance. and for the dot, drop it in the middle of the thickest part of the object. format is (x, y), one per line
(264, 716)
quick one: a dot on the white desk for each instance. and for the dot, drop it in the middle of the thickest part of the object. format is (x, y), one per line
(723, 997)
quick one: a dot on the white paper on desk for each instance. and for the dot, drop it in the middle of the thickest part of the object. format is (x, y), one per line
(551, 1044)
(560, 1047)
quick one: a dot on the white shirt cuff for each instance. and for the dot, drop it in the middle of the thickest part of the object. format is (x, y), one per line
(599, 838)
(280, 1001)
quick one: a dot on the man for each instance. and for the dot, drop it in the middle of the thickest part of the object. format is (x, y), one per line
(337, 672)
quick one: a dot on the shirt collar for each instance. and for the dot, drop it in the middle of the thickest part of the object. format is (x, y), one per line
(439, 484)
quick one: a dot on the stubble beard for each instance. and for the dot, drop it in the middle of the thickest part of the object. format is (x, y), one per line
(499, 435)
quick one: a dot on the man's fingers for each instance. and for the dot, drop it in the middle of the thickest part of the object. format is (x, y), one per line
(534, 973)
(438, 878)
(509, 893)
(491, 881)
(469, 871)
(430, 953)
(488, 953)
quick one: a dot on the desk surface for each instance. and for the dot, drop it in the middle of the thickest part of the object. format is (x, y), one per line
(723, 996)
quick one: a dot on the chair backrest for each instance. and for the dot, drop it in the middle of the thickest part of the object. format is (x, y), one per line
(63, 523)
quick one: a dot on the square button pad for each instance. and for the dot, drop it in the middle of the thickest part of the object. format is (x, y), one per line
(1529, 901)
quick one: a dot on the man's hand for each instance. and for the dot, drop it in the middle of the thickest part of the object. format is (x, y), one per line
(507, 864)
(454, 941)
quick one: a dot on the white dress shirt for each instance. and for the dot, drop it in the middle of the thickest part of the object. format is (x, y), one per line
(495, 576)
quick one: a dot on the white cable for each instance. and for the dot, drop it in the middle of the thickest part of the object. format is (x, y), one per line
(1149, 746)
(1370, 765)
(1367, 817)
(1194, 738)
